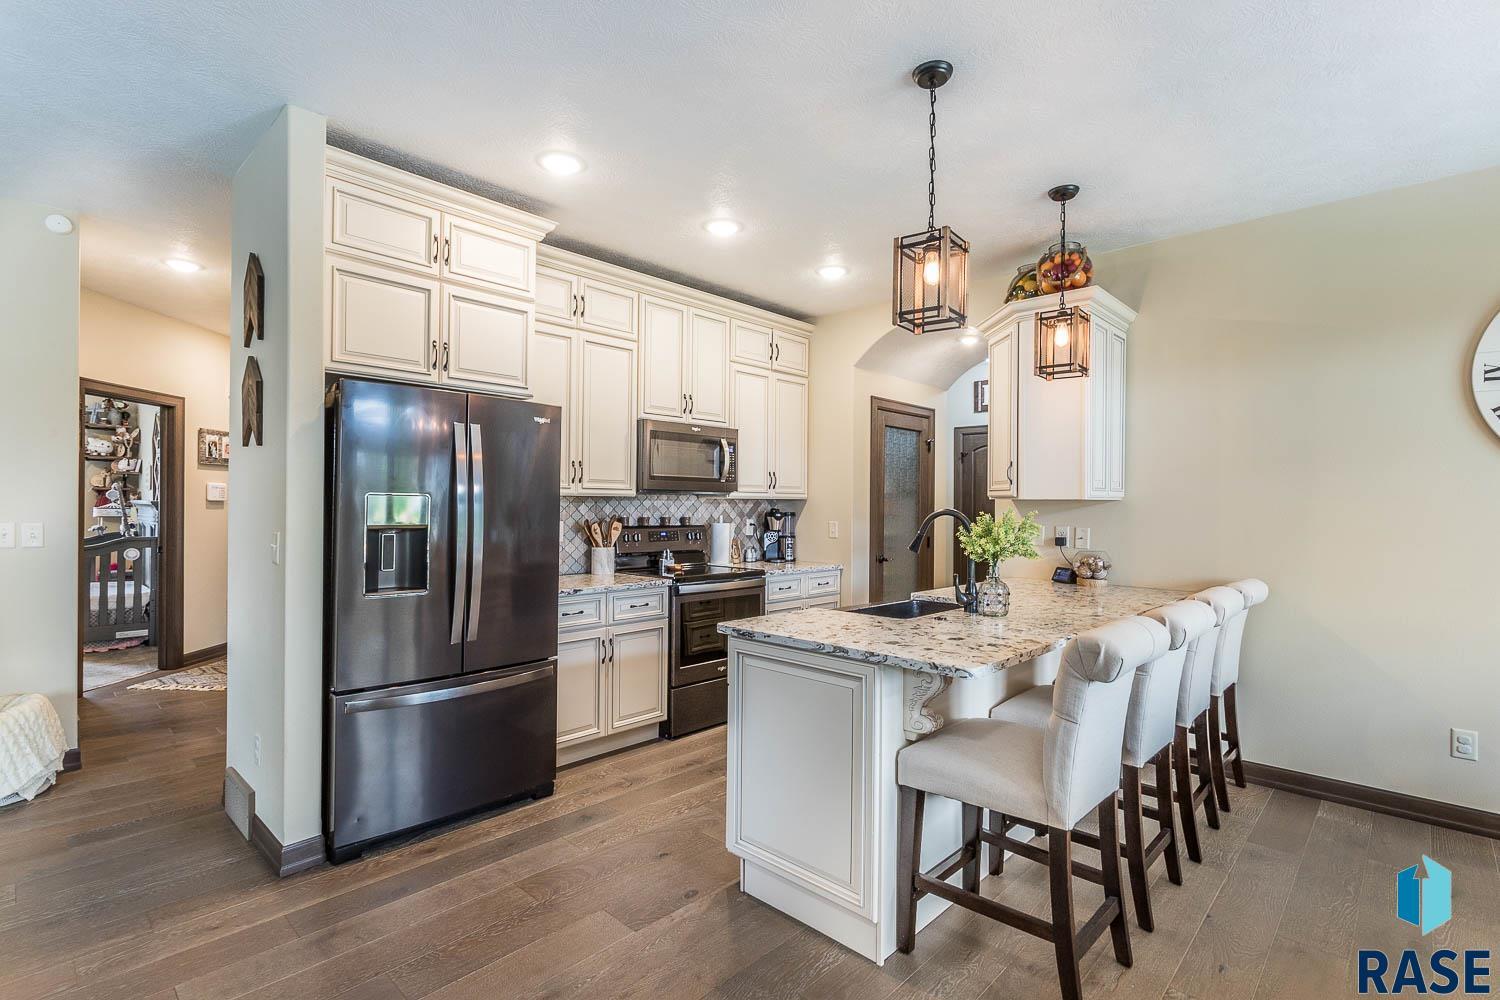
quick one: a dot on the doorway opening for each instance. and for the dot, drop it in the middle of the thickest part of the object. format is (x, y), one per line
(971, 483)
(901, 494)
(130, 533)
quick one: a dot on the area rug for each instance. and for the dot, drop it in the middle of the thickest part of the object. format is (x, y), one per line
(210, 676)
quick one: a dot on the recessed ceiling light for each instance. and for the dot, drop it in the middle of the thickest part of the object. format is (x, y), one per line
(182, 266)
(560, 164)
(970, 336)
(722, 227)
(832, 272)
(59, 224)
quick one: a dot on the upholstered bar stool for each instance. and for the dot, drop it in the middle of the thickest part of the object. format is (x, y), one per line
(1192, 717)
(1150, 724)
(1224, 738)
(1051, 777)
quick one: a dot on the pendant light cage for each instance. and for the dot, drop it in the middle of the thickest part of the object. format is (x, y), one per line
(1063, 335)
(930, 281)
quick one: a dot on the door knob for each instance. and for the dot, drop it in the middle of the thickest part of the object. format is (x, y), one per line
(882, 559)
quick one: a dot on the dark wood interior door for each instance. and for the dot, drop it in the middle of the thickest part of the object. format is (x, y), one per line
(971, 478)
(901, 490)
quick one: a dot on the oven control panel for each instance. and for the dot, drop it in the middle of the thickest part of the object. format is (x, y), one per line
(660, 538)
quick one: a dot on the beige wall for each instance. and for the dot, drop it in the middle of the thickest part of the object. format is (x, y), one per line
(39, 411)
(131, 346)
(1298, 410)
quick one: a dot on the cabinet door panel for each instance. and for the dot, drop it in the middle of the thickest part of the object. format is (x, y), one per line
(606, 308)
(751, 344)
(476, 252)
(551, 361)
(791, 353)
(751, 394)
(1003, 471)
(581, 693)
(556, 293)
(637, 676)
(382, 319)
(486, 338)
(709, 356)
(372, 222)
(606, 395)
(789, 436)
(663, 353)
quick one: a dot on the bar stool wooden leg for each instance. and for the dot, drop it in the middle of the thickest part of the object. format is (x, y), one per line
(997, 853)
(1185, 795)
(1164, 813)
(1205, 770)
(1216, 754)
(1060, 879)
(1109, 857)
(1232, 724)
(971, 839)
(908, 858)
(1135, 849)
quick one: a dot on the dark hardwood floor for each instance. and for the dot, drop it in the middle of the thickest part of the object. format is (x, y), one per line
(127, 881)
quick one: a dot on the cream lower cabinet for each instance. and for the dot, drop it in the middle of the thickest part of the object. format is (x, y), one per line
(770, 412)
(592, 378)
(581, 694)
(637, 675)
(611, 678)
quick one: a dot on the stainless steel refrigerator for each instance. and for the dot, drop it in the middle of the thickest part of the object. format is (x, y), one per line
(440, 617)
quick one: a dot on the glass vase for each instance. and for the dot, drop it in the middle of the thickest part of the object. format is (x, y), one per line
(994, 597)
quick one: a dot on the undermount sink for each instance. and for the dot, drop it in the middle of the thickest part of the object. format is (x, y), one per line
(914, 608)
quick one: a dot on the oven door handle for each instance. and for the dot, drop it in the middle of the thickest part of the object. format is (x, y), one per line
(686, 589)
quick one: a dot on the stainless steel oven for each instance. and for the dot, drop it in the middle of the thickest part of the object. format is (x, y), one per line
(686, 458)
(698, 682)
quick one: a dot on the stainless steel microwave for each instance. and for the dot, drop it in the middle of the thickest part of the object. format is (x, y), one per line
(685, 458)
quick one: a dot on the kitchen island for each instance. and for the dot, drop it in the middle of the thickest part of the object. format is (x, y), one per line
(820, 703)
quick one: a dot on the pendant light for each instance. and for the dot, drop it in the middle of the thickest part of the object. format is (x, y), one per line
(1062, 334)
(931, 282)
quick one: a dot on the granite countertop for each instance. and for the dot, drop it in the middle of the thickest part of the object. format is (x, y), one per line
(570, 584)
(779, 568)
(1043, 616)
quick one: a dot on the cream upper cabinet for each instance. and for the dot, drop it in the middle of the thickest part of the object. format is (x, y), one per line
(663, 358)
(751, 344)
(708, 368)
(553, 375)
(606, 308)
(789, 436)
(606, 421)
(557, 296)
(382, 320)
(791, 353)
(1064, 438)
(637, 681)
(750, 390)
(376, 225)
(473, 251)
(581, 692)
(485, 339)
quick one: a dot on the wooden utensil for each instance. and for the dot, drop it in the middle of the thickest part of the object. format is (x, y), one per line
(615, 527)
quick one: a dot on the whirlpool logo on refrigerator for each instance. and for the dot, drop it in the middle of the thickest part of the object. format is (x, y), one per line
(1424, 899)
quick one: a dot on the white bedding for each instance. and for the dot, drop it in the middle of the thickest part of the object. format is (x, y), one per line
(31, 746)
(112, 600)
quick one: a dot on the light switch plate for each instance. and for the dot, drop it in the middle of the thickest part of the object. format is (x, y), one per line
(275, 548)
(7, 534)
(833, 529)
(1082, 537)
(31, 535)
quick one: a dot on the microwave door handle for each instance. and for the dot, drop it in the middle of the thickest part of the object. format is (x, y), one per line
(460, 531)
(476, 449)
(724, 476)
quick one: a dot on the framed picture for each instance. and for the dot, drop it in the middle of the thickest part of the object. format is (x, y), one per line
(213, 447)
(982, 396)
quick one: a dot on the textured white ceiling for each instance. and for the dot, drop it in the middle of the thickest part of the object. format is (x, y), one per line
(796, 117)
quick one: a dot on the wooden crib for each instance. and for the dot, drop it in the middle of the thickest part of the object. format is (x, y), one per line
(119, 579)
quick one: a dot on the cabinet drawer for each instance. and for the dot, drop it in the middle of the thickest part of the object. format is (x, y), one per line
(829, 603)
(820, 585)
(380, 225)
(633, 605)
(585, 609)
(776, 607)
(786, 587)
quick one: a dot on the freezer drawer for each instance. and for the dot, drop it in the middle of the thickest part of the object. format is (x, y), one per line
(696, 707)
(404, 757)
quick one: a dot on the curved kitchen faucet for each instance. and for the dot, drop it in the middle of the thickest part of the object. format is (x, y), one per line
(967, 596)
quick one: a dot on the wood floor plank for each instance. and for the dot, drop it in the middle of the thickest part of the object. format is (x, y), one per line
(530, 965)
(1322, 908)
(1285, 822)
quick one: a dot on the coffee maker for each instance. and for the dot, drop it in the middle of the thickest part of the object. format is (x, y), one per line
(773, 524)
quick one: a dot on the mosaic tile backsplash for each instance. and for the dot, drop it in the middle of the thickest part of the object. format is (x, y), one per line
(573, 548)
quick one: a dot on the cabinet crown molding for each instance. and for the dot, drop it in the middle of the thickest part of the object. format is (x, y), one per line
(1093, 298)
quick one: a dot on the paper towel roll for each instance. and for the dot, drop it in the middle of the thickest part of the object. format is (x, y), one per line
(720, 534)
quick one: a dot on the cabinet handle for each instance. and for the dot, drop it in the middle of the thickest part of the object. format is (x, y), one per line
(445, 357)
(580, 472)
(773, 480)
(447, 252)
(775, 352)
(643, 604)
(684, 403)
(690, 404)
(434, 355)
(583, 306)
(434, 247)
(575, 306)
(1008, 477)
(570, 614)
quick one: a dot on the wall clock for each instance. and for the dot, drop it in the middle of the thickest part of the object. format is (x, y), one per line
(1486, 376)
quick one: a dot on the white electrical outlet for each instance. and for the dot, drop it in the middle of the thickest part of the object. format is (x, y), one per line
(833, 529)
(31, 534)
(7, 534)
(1463, 744)
(1062, 536)
(1082, 537)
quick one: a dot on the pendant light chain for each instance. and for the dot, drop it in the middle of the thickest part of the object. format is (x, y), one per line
(1062, 256)
(932, 162)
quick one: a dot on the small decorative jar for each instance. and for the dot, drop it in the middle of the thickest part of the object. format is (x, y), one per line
(1023, 285)
(1064, 266)
(994, 597)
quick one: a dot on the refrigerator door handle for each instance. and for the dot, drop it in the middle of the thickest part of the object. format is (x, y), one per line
(476, 494)
(461, 533)
(445, 693)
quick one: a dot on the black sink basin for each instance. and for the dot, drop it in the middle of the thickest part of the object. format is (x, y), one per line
(914, 608)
